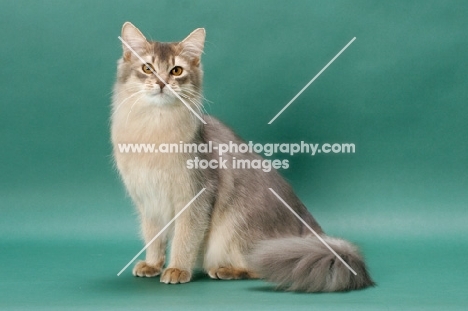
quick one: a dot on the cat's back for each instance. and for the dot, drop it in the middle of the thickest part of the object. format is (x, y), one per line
(245, 192)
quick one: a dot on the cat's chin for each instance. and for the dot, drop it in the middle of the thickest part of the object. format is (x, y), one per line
(161, 99)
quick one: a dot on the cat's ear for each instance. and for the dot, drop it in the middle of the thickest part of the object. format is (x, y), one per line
(134, 38)
(192, 46)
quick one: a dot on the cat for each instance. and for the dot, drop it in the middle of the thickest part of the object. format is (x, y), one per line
(236, 228)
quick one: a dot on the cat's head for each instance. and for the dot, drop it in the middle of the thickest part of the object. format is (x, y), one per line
(175, 64)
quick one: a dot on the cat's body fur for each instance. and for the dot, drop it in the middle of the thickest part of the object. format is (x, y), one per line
(236, 228)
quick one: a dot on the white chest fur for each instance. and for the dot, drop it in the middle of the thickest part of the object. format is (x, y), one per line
(155, 181)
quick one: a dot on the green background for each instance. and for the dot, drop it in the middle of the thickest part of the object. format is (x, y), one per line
(399, 93)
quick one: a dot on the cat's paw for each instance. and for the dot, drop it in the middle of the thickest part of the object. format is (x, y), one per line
(230, 273)
(142, 269)
(174, 276)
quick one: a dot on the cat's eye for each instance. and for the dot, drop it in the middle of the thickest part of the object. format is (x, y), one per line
(176, 71)
(147, 68)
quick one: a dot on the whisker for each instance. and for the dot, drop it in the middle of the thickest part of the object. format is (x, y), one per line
(131, 108)
(133, 85)
(195, 93)
(199, 106)
(190, 90)
(134, 94)
(128, 90)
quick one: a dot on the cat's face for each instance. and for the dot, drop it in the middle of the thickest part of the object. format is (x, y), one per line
(176, 65)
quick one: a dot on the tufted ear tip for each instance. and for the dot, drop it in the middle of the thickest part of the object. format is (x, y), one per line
(194, 43)
(196, 35)
(126, 25)
(134, 38)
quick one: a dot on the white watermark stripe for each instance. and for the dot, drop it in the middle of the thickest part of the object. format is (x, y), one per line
(313, 231)
(310, 82)
(157, 76)
(160, 232)
(267, 149)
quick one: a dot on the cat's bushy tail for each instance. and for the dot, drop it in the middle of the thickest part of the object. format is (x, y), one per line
(305, 264)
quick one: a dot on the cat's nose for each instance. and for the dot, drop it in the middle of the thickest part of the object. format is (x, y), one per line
(161, 84)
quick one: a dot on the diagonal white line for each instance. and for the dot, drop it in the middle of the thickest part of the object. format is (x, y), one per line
(160, 232)
(167, 85)
(313, 231)
(310, 82)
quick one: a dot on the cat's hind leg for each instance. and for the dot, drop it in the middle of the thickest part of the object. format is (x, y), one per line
(224, 258)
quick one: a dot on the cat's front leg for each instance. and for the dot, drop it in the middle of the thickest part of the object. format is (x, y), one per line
(189, 231)
(155, 253)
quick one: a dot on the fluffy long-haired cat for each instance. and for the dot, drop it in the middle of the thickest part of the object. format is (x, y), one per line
(236, 228)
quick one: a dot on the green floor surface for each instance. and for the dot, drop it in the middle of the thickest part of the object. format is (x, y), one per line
(81, 275)
(61, 249)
